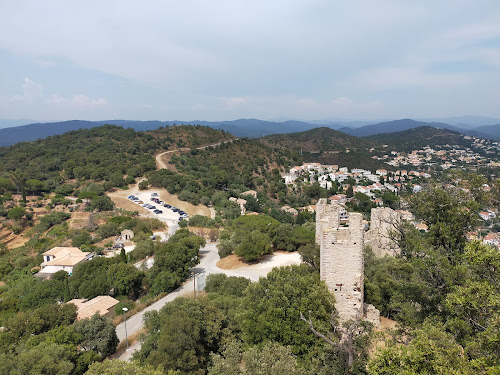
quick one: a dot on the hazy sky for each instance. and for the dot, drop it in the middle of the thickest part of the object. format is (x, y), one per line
(222, 60)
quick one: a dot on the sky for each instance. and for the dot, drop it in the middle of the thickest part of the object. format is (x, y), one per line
(223, 60)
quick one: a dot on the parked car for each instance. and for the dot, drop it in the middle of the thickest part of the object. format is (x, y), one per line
(154, 194)
(118, 246)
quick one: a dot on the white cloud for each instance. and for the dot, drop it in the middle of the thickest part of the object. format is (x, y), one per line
(213, 59)
(342, 101)
(31, 91)
(77, 101)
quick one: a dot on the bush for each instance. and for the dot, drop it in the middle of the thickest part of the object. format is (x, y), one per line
(124, 303)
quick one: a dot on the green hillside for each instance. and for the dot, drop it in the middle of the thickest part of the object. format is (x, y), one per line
(327, 146)
(417, 138)
(103, 154)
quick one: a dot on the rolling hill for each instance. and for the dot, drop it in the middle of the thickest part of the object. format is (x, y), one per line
(419, 137)
(395, 126)
(327, 146)
(251, 128)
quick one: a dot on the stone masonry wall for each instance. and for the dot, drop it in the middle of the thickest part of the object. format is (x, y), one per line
(383, 221)
(341, 258)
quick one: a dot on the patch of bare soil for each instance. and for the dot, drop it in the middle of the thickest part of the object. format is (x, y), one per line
(126, 204)
(10, 239)
(187, 207)
(163, 160)
(381, 335)
(231, 262)
(79, 220)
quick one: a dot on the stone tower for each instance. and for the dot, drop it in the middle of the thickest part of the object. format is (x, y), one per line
(341, 258)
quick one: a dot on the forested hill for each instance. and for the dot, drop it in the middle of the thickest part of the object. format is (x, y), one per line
(420, 137)
(103, 154)
(327, 146)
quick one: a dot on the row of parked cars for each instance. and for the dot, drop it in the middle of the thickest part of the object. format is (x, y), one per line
(156, 210)
(154, 198)
(133, 198)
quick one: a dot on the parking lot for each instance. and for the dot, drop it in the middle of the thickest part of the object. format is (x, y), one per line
(162, 210)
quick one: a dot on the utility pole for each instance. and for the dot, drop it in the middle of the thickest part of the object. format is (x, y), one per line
(125, 322)
(194, 283)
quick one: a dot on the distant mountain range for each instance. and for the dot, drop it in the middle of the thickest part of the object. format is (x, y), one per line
(252, 128)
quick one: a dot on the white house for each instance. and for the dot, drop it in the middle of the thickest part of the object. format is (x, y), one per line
(63, 259)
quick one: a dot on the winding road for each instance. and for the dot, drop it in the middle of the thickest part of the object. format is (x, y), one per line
(208, 262)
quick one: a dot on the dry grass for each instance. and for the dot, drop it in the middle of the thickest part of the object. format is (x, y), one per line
(231, 262)
(79, 220)
(137, 308)
(187, 207)
(381, 335)
(123, 202)
(122, 346)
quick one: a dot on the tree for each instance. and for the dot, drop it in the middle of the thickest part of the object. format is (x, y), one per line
(272, 359)
(16, 213)
(98, 334)
(253, 246)
(119, 367)
(44, 359)
(310, 254)
(182, 335)
(449, 214)
(350, 192)
(34, 186)
(102, 203)
(270, 310)
(125, 279)
(431, 351)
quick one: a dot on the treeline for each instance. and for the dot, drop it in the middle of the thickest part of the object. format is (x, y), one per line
(442, 289)
(251, 328)
(252, 236)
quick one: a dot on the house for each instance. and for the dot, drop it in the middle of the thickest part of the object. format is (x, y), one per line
(492, 239)
(241, 202)
(101, 304)
(405, 215)
(378, 202)
(63, 259)
(381, 172)
(417, 188)
(253, 193)
(339, 198)
(290, 210)
(127, 234)
(485, 215)
(310, 208)
(421, 227)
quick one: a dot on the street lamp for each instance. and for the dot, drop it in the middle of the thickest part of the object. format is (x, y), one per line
(125, 320)
(194, 276)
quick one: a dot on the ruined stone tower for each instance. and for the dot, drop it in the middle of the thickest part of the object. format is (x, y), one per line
(384, 220)
(341, 258)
